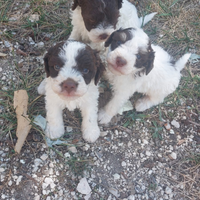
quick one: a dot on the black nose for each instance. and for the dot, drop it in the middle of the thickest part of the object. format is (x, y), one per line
(103, 36)
(69, 85)
(120, 62)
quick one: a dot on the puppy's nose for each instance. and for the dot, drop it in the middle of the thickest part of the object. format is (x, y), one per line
(69, 85)
(103, 36)
(120, 62)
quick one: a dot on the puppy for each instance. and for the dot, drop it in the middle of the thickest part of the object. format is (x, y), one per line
(134, 65)
(73, 70)
(94, 20)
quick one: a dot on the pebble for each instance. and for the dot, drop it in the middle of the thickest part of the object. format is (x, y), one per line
(131, 197)
(123, 164)
(148, 153)
(73, 149)
(175, 124)
(69, 129)
(114, 192)
(40, 44)
(19, 180)
(2, 169)
(44, 157)
(37, 162)
(173, 156)
(167, 126)
(83, 186)
(7, 44)
(67, 155)
(171, 131)
(1, 69)
(116, 176)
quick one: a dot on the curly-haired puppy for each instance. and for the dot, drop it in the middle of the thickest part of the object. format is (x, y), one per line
(73, 70)
(94, 20)
(134, 65)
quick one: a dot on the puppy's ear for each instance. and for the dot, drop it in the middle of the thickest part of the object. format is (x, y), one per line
(119, 3)
(46, 58)
(75, 4)
(109, 40)
(100, 68)
(151, 56)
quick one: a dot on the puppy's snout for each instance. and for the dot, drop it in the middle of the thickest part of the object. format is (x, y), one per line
(120, 62)
(69, 85)
(103, 36)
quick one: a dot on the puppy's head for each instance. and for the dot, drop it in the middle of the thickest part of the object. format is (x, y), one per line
(129, 52)
(100, 17)
(72, 67)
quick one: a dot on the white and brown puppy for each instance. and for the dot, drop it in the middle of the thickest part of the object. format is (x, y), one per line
(73, 70)
(94, 20)
(134, 65)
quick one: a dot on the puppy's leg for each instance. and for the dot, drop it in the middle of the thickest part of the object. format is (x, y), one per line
(55, 126)
(41, 87)
(120, 97)
(148, 101)
(90, 127)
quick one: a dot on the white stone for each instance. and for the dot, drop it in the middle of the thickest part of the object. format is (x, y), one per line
(131, 197)
(40, 44)
(67, 155)
(173, 156)
(168, 190)
(114, 192)
(145, 141)
(116, 176)
(37, 162)
(34, 17)
(48, 180)
(60, 193)
(83, 186)
(175, 124)
(2, 169)
(37, 197)
(19, 180)
(171, 131)
(148, 153)
(73, 149)
(22, 161)
(103, 133)
(123, 164)
(69, 129)
(1, 69)
(48, 198)
(10, 183)
(44, 157)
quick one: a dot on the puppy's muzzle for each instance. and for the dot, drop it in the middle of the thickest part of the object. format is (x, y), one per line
(120, 62)
(103, 36)
(69, 85)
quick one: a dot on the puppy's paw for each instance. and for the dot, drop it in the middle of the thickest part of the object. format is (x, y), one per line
(142, 104)
(54, 132)
(104, 117)
(91, 133)
(41, 87)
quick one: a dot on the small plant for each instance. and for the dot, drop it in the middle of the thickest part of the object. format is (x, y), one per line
(156, 131)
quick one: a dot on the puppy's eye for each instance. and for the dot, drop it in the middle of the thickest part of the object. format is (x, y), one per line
(138, 56)
(57, 67)
(85, 71)
(119, 42)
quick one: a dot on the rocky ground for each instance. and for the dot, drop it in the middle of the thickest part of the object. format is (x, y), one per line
(153, 155)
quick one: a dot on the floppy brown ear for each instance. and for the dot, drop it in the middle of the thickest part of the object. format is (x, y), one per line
(151, 56)
(119, 3)
(46, 58)
(109, 40)
(100, 69)
(75, 4)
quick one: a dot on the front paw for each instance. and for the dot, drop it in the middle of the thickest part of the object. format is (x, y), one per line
(54, 132)
(91, 133)
(104, 117)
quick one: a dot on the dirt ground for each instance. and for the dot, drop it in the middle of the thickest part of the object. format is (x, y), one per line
(153, 155)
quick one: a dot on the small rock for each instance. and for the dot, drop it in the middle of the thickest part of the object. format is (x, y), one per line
(2, 169)
(73, 149)
(103, 134)
(123, 164)
(44, 157)
(171, 131)
(131, 197)
(40, 44)
(67, 155)
(167, 126)
(148, 153)
(114, 192)
(83, 186)
(173, 156)
(19, 180)
(10, 183)
(7, 44)
(116, 176)
(22, 161)
(69, 129)
(168, 190)
(1, 69)
(37, 162)
(37, 197)
(175, 124)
